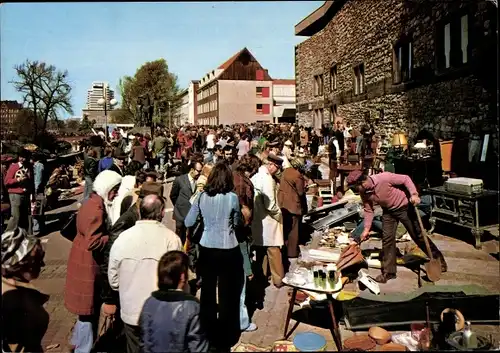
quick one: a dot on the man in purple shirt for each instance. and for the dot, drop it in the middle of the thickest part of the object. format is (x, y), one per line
(391, 192)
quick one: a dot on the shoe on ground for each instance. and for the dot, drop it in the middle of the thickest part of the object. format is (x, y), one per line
(252, 327)
(384, 277)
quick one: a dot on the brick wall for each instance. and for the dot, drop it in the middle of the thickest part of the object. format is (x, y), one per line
(365, 31)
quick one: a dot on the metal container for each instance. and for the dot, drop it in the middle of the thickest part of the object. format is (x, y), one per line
(467, 186)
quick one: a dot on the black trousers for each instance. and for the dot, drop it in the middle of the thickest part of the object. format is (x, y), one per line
(133, 337)
(221, 269)
(180, 230)
(390, 219)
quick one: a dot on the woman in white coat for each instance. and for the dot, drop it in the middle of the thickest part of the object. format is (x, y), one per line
(267, 223)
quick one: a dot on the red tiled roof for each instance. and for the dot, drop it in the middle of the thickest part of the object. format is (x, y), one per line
(231, 60)
(283, 81)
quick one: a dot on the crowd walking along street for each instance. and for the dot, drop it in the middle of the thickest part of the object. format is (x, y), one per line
(352, 206)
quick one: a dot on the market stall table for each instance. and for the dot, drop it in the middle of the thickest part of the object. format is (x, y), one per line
(477, 212)
(334, 329)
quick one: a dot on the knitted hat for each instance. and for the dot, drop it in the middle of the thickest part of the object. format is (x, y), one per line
(16, 245)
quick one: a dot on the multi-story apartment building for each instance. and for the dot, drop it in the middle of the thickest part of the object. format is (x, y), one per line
(93, 110)
(284, 100)
(99, 89)
(8, 114)
(402, 65)
(238, 91)
(187, 112)
(182, 113)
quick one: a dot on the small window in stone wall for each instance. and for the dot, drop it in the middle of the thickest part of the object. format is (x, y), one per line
(318, 118)
(402, 62)
(452, 42)
(333, 113)
(333, 78)
(359, 79)
(318, 85)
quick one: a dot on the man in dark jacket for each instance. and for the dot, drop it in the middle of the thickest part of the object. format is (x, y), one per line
(182, 189)
(170, 318)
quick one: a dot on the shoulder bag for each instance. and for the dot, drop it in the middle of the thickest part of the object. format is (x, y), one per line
(199, 226)
(69, 229)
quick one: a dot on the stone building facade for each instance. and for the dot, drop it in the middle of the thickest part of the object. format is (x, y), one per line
(401, 65)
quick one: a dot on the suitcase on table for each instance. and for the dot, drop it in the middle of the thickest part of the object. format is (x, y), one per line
(467, 186)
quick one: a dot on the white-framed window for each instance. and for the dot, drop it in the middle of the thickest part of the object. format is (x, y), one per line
(402, 62)
(453, 42)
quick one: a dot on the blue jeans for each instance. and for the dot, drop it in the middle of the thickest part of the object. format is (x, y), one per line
(244, 318)
(160, 158)
(83, 335)
(376, 226)
(88, 187)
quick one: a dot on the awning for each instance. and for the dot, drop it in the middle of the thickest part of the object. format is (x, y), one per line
(289, 113)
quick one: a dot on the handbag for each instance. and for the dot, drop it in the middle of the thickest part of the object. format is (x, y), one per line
(110, 335)
(197, 230)
(69, 231)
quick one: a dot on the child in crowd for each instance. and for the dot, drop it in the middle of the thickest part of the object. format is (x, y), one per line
(170, 317)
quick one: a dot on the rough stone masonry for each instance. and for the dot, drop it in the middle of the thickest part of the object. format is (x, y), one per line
(456, 101)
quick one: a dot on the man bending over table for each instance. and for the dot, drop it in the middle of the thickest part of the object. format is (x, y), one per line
(391, 192)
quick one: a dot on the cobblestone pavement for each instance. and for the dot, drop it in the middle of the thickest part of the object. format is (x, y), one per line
(466, 265)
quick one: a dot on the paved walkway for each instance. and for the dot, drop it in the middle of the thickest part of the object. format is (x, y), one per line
(466, 266)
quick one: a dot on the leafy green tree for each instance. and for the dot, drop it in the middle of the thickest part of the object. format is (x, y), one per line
(45, 91)
(153, 86)
(121, 116)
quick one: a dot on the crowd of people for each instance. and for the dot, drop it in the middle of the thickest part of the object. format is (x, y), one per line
(237, 205)
(237, 210)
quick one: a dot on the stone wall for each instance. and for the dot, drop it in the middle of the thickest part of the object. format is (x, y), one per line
(448, 104)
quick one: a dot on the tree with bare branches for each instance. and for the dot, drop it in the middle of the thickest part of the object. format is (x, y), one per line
(45, 91)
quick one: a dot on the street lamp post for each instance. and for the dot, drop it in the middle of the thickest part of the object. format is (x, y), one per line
(169, 116)
(112, 103)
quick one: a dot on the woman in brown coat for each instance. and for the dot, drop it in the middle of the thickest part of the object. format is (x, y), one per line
(293, 202)
(83, 279)
(138, 152)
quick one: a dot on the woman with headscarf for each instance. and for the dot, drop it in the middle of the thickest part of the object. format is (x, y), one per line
(127, 185)
(24, 319)
(84, 282)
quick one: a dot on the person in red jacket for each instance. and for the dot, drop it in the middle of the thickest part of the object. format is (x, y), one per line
(19, 184)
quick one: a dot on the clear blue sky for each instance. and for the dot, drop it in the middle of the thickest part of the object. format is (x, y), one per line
(105, 41)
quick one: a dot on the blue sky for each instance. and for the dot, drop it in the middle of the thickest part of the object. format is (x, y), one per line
(105, 41)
